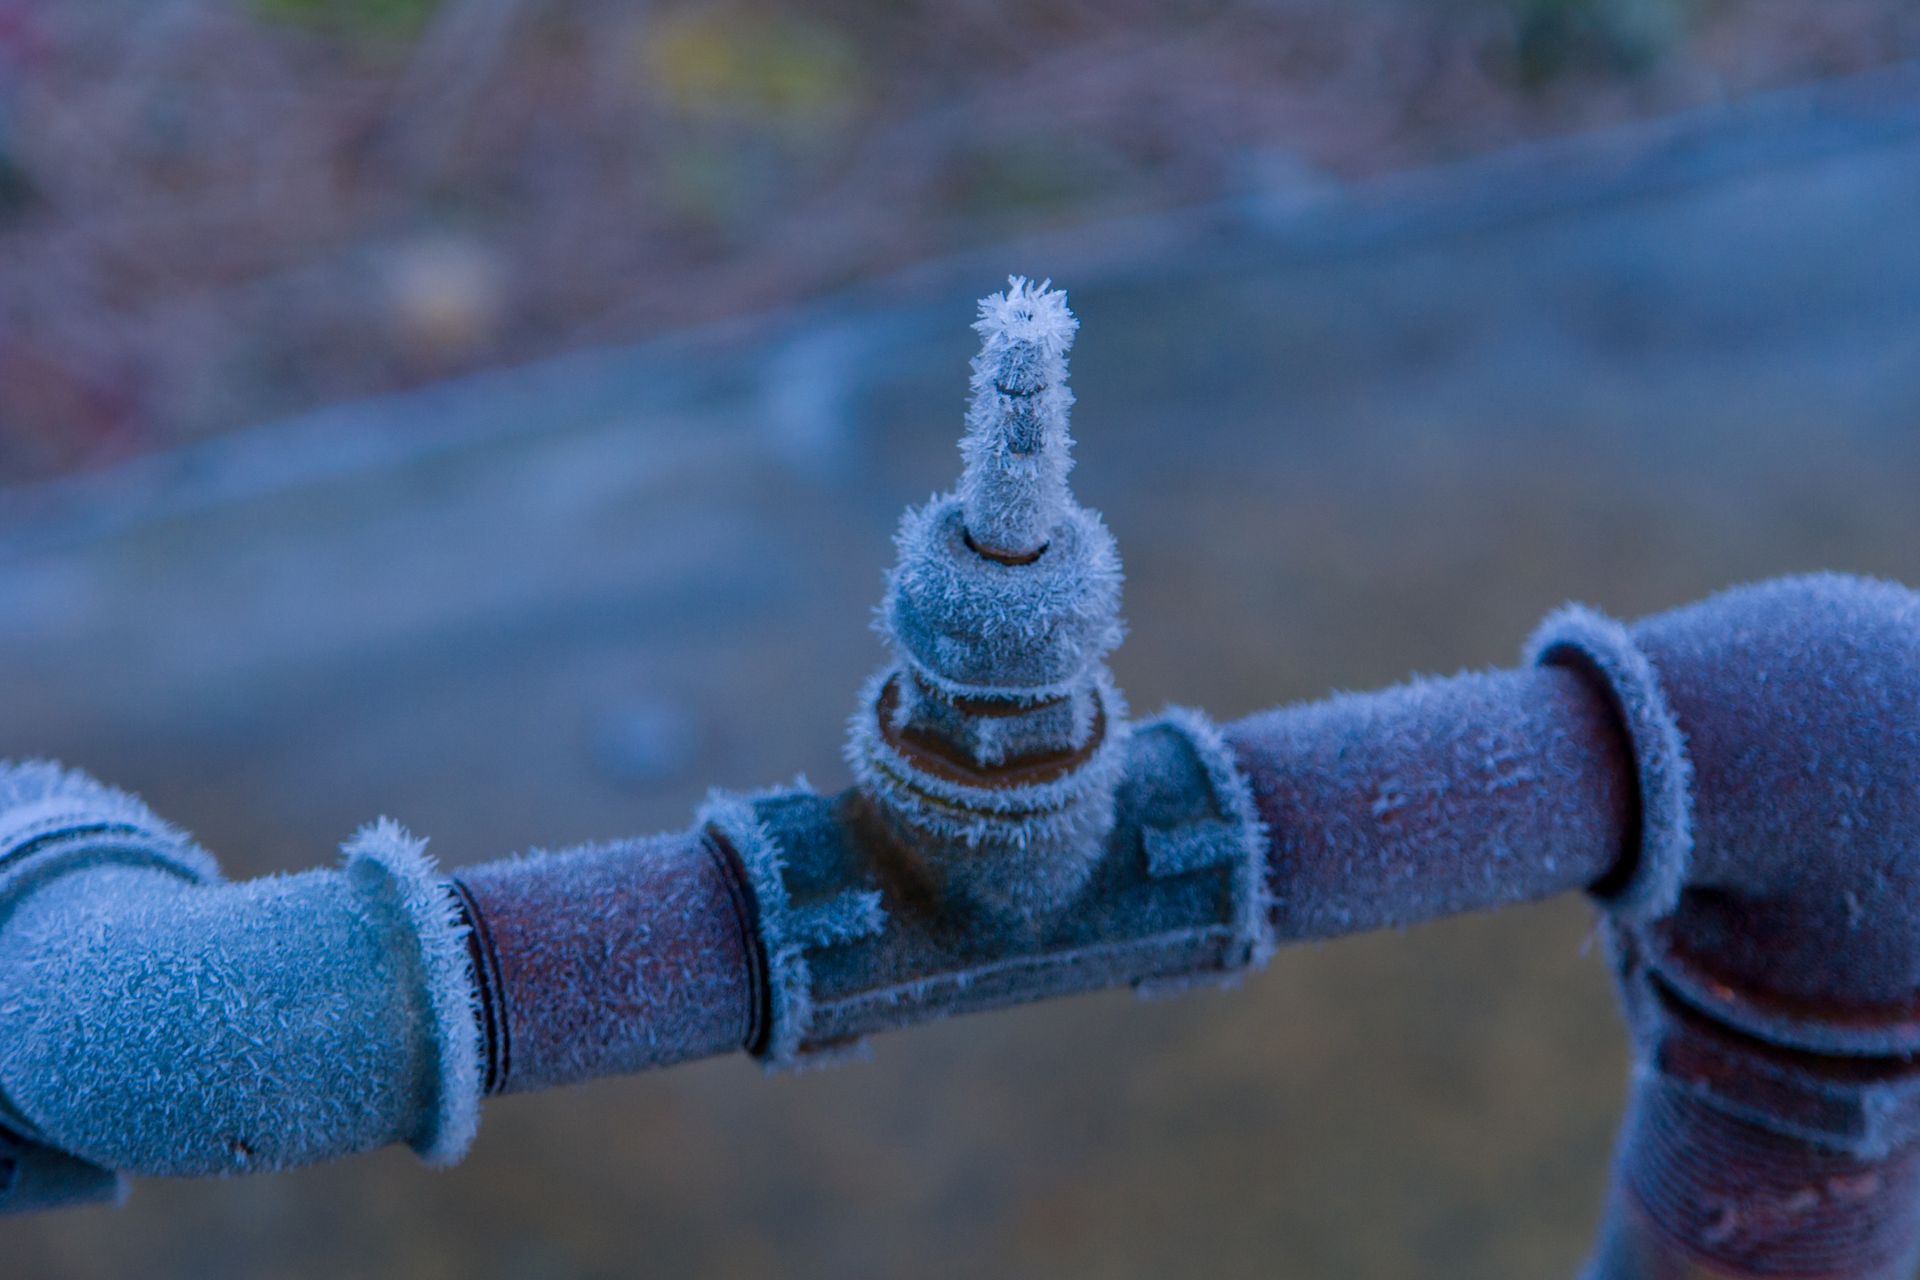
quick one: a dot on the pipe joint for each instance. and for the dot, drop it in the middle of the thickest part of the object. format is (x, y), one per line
(859, 934)
(155, 1020)
(1776, 736)
(1765, 929)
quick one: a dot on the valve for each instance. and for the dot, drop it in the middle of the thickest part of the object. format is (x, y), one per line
(1012, 833)
(994, 739)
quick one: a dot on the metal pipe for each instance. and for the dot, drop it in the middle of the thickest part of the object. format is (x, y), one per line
(154, 1020)
(1704, 1195)
(1437, 797)
(611, 959)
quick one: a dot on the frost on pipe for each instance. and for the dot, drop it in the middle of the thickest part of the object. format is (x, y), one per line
(158, 1021)
(1437, 797)
(611, 958)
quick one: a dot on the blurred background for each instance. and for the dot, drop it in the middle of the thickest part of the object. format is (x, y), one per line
(494, 414)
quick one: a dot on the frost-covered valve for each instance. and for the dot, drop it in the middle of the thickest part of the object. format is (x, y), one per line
(995, 739)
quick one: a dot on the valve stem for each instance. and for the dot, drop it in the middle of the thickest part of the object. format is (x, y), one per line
(1017, 449)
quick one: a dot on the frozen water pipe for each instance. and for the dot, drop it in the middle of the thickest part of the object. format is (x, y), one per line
(1735, 784)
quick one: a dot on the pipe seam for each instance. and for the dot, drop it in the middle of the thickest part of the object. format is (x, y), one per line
(1656, 870)
(433, 910)
(1253, 895)
(786, 930)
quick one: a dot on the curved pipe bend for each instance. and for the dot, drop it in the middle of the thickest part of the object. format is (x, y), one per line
(156, 1020)
(1799, 705)
(1767, 932)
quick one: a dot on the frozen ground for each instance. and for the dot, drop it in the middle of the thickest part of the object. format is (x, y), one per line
(1338, 439)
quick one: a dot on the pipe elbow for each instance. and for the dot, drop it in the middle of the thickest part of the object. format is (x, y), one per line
(155, 1022)
(1776, 730)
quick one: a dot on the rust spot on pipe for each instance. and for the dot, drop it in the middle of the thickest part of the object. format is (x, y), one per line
(1004, 557)
(988, 708)
(1703, 1193)
(927, 752)
(610, 959)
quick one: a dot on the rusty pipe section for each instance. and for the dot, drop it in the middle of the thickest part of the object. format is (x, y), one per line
(1744, 1158)
(1437, 797)
(1704, 1194)
(611, 959)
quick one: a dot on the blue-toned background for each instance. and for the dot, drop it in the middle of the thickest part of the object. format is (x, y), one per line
(594, 376)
